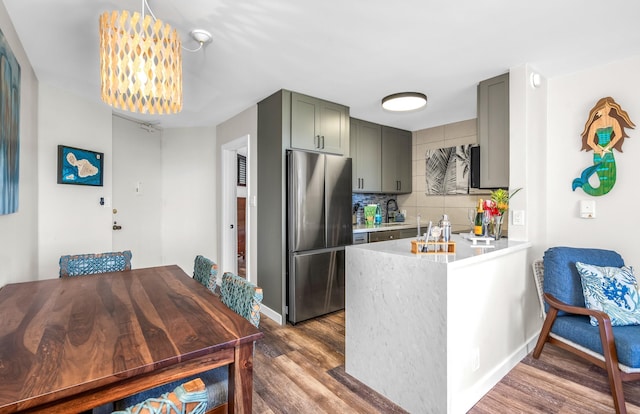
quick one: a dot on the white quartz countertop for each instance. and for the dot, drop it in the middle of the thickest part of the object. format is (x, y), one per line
(466, 253)
(363, 228)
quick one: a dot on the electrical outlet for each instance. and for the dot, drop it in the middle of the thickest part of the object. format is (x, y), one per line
(518, 217)
(475, 359)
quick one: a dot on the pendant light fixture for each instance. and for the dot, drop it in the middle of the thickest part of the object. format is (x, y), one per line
(140, 63)
(405, 101)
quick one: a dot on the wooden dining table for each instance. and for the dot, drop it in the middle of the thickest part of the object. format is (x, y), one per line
(68, 345)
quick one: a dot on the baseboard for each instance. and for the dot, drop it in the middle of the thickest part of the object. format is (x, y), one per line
(271, 314)
(465, 400)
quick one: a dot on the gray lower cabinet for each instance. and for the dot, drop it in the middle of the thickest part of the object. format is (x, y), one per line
(319, 125)
(366, 152)
(493, 131)
(396, 160)
(376, 236)
(407, 233)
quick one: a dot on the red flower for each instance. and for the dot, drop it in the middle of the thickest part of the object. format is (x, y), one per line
(491, 208)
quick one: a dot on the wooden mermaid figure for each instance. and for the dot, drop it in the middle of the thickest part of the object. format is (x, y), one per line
(603, 132)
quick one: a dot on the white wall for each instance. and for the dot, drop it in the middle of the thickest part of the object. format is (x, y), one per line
(189, 207)
(137, 192)
(569, 102)
(70, 218)
(19, 231)
(245, 123)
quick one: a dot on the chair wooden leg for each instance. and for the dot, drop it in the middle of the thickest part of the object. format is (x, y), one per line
(544, 332)
(613, 370)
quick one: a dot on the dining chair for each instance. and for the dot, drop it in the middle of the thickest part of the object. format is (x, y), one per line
(187, 398)
(580, 329)
(205, 272)
(93, 263)
(245, 299)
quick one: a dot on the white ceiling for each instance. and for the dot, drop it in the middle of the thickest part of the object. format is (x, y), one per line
(347, 51)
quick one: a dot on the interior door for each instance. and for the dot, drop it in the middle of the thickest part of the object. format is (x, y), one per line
(136, 193)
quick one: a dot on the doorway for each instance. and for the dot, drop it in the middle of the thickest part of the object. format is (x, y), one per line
(235, 212)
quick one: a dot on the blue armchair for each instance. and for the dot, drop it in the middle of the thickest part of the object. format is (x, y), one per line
(567, 322)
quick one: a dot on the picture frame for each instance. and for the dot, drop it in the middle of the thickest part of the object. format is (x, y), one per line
(80, 166)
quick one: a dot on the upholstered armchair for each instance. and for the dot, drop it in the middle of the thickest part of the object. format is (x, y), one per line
(565, 278)
(93, 263)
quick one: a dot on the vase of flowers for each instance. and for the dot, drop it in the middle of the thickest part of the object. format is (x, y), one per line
(497, 206)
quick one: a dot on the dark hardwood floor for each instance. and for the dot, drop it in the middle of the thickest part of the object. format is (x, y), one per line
(300, 369)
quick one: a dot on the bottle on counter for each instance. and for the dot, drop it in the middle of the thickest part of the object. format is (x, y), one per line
(478, 225)
(445, 224)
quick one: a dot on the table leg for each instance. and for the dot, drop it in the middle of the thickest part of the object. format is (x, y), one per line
(241, 380)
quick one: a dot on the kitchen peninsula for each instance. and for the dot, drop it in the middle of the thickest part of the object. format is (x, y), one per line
(434, 332)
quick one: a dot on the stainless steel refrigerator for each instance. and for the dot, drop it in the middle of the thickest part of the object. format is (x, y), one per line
(318, 227)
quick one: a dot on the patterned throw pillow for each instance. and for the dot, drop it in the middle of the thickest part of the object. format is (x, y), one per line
(613, 290)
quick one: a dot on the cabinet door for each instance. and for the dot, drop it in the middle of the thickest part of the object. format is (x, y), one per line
(318, 125)
(396, 160)
(493, 131)
(304, 118)
(334, 127)
(366, 149)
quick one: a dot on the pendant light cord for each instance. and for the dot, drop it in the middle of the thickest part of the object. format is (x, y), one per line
(145, 5)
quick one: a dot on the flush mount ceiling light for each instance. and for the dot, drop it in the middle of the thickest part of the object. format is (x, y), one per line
(140, 63)
(405, 101)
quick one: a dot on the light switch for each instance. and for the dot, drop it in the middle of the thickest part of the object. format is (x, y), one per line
(587, 209)
(518, 217)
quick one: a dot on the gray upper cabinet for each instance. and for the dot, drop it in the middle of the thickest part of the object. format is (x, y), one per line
(319, 125)
(365, 150)
(493, 131)
(396, 160)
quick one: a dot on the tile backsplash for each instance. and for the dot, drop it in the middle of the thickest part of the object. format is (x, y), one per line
(432, 207)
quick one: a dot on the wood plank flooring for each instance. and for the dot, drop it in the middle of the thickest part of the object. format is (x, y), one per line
(300, 369)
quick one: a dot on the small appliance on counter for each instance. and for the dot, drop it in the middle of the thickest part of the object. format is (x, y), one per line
(392, 210)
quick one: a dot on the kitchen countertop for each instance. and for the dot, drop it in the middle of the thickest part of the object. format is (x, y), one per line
(363, 228)
(466, 252)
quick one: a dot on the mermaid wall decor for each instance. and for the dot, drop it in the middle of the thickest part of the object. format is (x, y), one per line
(603, 132)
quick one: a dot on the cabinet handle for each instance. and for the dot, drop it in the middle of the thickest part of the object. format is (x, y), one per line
(322, 137)
(316, 141)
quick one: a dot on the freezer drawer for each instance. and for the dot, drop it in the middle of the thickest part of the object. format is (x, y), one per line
(316, 284)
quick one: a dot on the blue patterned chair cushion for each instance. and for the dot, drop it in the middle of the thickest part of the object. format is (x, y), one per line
(561, 278)
(205, 272)
(215, 382)
(578, 329)
(92, 263)
(612, 290)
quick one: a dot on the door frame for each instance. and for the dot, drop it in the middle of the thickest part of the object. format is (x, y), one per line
(229, 247)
